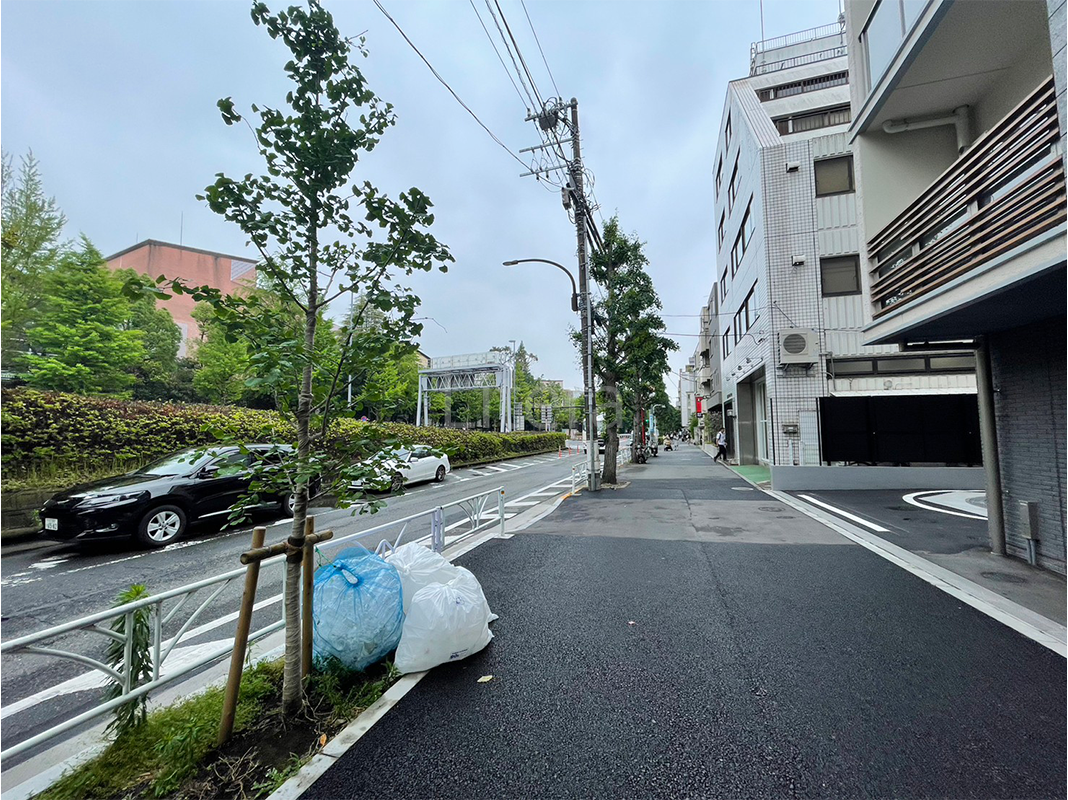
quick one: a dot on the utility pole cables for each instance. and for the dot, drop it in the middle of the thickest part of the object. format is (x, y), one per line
(549, 119)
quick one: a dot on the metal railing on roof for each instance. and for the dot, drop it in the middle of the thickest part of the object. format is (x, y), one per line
(799, 37)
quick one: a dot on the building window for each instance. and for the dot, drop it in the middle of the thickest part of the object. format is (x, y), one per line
(727, 342)
(732, 187)
(901, 365)
(890, 22)
(801, 87)
(722, 228)
(719, 175)
(723, 284)
(834, 176)
(727, 132)
(749, 308)
(748, 228)
(745, 236)
(840, 276)
(799, 123)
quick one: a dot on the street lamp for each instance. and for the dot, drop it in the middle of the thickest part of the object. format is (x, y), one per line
(587, 340)
(574, 287)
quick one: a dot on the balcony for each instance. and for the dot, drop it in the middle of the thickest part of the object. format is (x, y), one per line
(1006, 191)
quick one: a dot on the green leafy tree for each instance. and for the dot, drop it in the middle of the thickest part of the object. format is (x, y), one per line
(30, 247)
(156, 377)
(78, 340)
(320, 238)
(222, 364)
(630, 356)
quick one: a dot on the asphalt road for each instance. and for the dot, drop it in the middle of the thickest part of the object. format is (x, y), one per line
(57, 583)
(689, 637)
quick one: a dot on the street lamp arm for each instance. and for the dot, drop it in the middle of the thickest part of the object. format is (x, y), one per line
(574, 286)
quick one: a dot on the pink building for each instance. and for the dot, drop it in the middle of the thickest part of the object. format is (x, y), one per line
(196, 267)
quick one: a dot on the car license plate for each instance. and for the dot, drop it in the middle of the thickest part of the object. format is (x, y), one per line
(51, 524)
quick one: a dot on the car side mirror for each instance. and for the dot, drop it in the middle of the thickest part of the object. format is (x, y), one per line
(209, 471)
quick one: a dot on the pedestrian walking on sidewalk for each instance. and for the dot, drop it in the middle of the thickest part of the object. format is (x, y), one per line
(721, 443)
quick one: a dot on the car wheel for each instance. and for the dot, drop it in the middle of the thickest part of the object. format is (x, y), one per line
(287, 501)
(396, 483)
(439, 476)
(161, 526)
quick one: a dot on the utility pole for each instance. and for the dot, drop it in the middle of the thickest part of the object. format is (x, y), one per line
(573, 197)
(587, 299)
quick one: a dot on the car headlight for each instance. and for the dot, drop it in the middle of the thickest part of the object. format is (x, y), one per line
(110, 500)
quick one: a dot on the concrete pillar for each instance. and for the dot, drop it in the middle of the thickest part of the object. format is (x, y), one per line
(995, 519)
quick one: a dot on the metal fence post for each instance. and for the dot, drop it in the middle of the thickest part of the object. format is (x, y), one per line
(437, 530)
(500, 508)
(127, 654)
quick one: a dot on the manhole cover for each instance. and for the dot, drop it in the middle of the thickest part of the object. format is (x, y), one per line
(770, 508)
(1003, 577)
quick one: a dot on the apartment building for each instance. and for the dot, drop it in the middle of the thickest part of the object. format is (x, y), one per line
(197, 267)
(958, 135)
(787, 313)
(707, 371)
(687, 400)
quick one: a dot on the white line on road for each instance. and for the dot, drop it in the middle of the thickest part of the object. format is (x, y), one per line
(846, 514)
(914, 499)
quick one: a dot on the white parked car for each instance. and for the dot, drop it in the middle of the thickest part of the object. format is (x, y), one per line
(404, 466)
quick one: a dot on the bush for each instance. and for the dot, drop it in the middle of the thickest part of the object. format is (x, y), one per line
(52, 438)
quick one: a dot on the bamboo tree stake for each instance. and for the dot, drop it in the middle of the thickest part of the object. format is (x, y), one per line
(308, 566)
(237, 658)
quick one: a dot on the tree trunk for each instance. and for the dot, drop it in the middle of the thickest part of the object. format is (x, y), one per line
(611, 432)
(292, 690)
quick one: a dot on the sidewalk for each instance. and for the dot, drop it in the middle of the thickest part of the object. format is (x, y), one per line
(689, 635)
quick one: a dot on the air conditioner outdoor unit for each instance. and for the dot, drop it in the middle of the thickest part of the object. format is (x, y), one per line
(798, 346)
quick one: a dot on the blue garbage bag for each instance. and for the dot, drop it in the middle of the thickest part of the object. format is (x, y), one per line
(357, 611)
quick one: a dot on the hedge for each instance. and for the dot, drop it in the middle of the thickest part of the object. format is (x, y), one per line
(47, 435)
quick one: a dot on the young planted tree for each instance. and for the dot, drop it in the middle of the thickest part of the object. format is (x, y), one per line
(320, 238)
(629, 354)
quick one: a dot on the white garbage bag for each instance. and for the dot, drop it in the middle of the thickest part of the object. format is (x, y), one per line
(445, 622)
(419, 566)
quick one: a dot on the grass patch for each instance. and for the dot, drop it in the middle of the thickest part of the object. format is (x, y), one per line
(173, 754)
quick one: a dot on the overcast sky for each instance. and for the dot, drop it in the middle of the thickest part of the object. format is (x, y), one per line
(117, 101)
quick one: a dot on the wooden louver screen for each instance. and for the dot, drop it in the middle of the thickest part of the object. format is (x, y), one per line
(1009, 187)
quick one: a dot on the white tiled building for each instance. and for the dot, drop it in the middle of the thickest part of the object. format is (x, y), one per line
(788, 308)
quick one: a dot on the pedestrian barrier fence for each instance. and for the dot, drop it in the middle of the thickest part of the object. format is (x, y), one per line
(169, 626)
(580, 472)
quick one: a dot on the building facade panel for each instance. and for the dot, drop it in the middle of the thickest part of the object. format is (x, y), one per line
(1028, 365)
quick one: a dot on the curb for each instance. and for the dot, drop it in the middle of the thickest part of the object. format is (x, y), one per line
(354, 731)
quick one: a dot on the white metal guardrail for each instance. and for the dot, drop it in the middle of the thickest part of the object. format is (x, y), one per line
(165, 610)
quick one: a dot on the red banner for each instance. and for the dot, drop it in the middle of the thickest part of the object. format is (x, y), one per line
(698, 405)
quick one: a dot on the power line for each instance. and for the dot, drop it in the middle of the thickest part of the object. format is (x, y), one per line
(522, 61)
(530, 98)
(495, 50)
(538, 41)
(446, 85)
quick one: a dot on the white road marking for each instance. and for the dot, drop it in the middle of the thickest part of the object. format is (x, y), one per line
(914, 499)
(521, 503)
(495, 468)
(846, 514)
